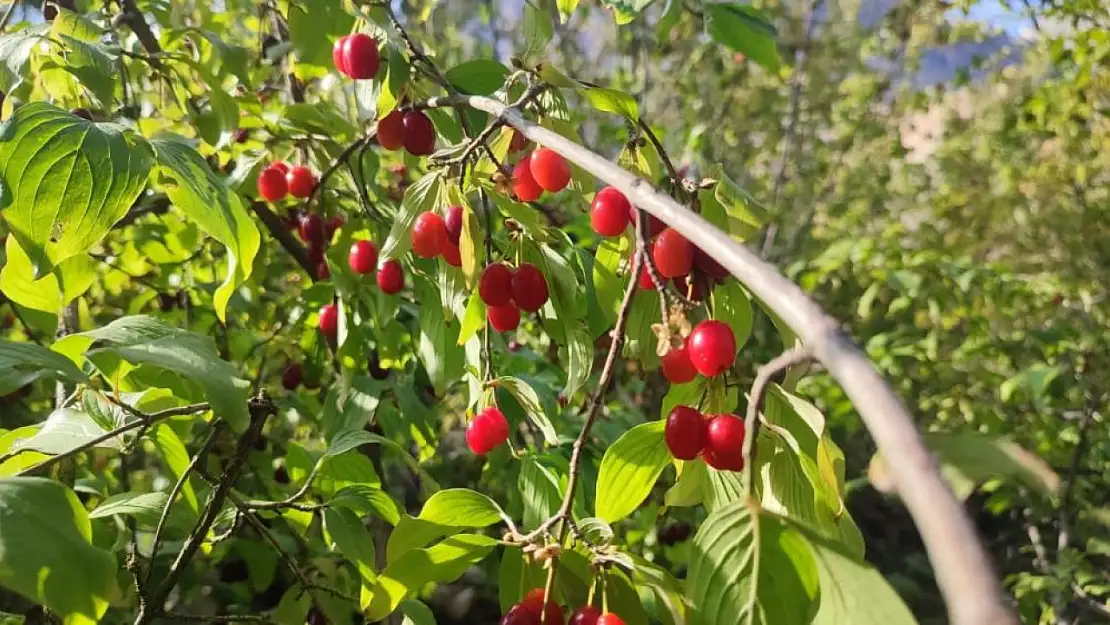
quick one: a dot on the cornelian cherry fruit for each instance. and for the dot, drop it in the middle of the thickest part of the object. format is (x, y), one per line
(452, 255)
(323, 272)
(609, 212)
(709, 265)
(529, 288)
(391, 131)
(712, 347)
(585, 615)
(337, 55)
(673, 254)
(645, 281)
(677, 367)
(655, 225)
(454, 223)
(685, 432)
(724, 442)
(420, 135)
(549, 169)
(550, 611)
(519, 614)
(487, 431)
(524, 185)
(360, 56)
(272, 185)
(610, 619)
(517, 142)
(503, 318)
(363, 257)
(301, 181)
(429, 235)
(391, 277)
(291, 377)
(311, 228)
(495, 286)
(328, 322)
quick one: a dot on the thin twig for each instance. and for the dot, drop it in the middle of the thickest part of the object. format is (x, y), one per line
(7, 15)
(223, 618)
(278, 230)
(291, 500)
(763, 379)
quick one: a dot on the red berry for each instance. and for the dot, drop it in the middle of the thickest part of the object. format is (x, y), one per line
(454, 221)
(487, 431)
(683, 284)
(291, 377)
(518, 614)
(551, 612)
(709, 265)
(610, 619)
(331, 226)
(518, 141)
(360, 56)
(301, 181)
(363, 257)
(724, 442)
(655, 226)
(322, 271)
(315, 253)
(524, 185)
(391, 277)
(271, 184)
(495, 287)
(311, 228)
(429, 235)
(677, 367)
(451, 254)
(586, 615)
(503, 318)
(673, 254)
(281, 166)
(609, 212)
(329, 321)
(712, 347)
(391, 131)
(549, 169)
(685, 433)
(420, 135)
(337, 55)
(529, 288)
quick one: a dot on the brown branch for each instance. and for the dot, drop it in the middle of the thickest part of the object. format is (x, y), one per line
(278, 230)
(763, 379)
(134, 19)
(219, 618)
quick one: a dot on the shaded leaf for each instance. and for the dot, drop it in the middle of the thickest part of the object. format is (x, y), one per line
(630, 469)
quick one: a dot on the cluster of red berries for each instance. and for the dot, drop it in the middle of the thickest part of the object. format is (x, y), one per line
(533, 610)
(363, 259)
(433, 236)
(411, 129)
(316, 233)
(719, 439)
(487, 431)
(507, 292)
(278, 179)
(709, 350)
(356, 56)
(542, 170)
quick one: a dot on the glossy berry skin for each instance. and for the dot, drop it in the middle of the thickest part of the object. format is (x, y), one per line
(677, 367)
(529, 288)
(586, 615)
(503, 318)
(495, 287)
(429, 235)
(683, 284)
(315, 253)
(673, 254)
(281, 166)
(609, 212)
(420, 135)
(549, 170)
(329, 321)
(518, 614)
(610, 619)
(709, 265)
(454, 223)
(487, 431)
(322, 270)
(360, 56)
(685, 433)
(363, 257)
(451, 254)
(655, 226)
(524, 185)
(551, 613)
(291, 377)
(391, 131)
(301, 181)
(712, 347)
(311, 228)
(272, 185)
(391, 277)
(645, 281)
(724, 443)
(337, 55)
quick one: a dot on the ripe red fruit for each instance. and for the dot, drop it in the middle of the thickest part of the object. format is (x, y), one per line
(322, 270)
(549, 169)
(550, 611)
(610, 619)
(311, 228)
(518, 614)
(331, 226)
(524, 185)
(495, 287)
(503, 318)
(429, 235)
(673, 254)
(337, 55)
(363, 257)
(683, 284)
(315, 253)
(301, 181)
(487, 431)
(724, 442)
(391, 277)
(360, 56)
(281, 166)
(454, 222)
(420, 135)
(677, 367)
(391, 131)
(712, 347)
(518, 141)
(655, 225)
(529, 288)
(291, 377)
(329, 321)
(609, 212)
(271, 184)
(685, 432)
(451, 254)
(709, 265)
(586, 615)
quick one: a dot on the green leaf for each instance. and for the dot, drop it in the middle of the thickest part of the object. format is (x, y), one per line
(416, 613)
(67, 429)
(537, 28)
(66, 181)
(176, 458)
(474, 318)
(624, 11)
(743, 29)
(630, 469)
(392, 83)
(668, 592)
(723, 488)
(750, 567)
(321, 118)
(969, 458)
(608, 285)
(732, 305)
(595, 530)
(423, 195)
(444, 562)
(24, 363)
(670, 15)
(351, 439)
(477, 77)
(528, 399)
(196, 191)
(46, 552)
(612, 101)
(539, 490)
(49, 294)
(84, 56)
(366, 499)
(460, 507)
(517, 575)
(689, 489)
(350, 538)
(146, 508)
(15, 51)
(566, 8)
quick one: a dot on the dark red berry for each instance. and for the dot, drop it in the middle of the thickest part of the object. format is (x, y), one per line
(451, 254)
(329, 321)
(291, 377)
(271, 184)
(315, 252)
(391, 277)
(609, 212)
(677, 367)
(503, 318)
(281, 166)
(311, 228)
(519, 615)
(429, 235)
(524, 186)
(529, 288)
(337, 55)
(709, 265)
(655, 225)
(83, 113)
(673, 254)
(549, 169)
(487, 431)
(360, 56)
(610, 619)
(586, 615)
(331, 226)
(241, 135)
(712, 347)
(518, 141)
(420, 135)
(495, 287)
(301, 181)
(551, 612)
(724, 442)
(513, 345)
(454, 222)
(322, 270)
(690, 286)
(363, 257)
(685, 432)
(645, 282)
(391, 131)
(375, 367)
